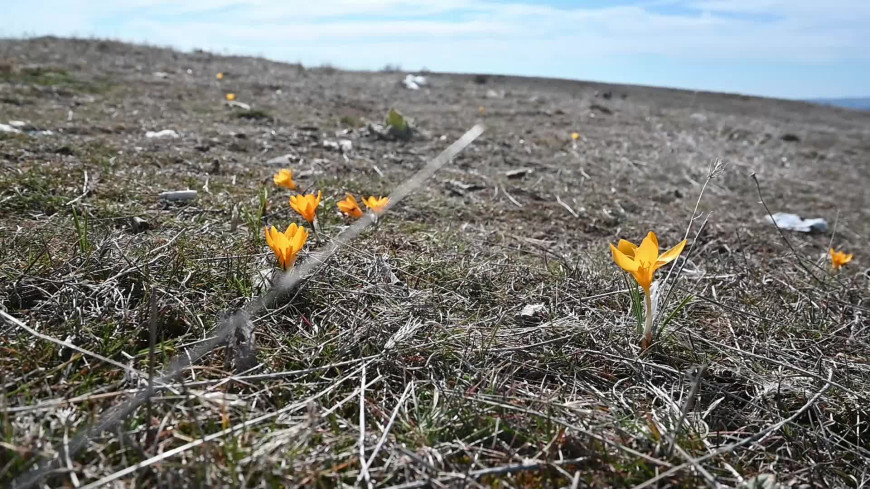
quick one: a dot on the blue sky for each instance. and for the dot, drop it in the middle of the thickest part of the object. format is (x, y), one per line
(779, 48)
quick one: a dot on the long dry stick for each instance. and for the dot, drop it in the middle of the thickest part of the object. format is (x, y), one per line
(368, 463)
(782, 234)
(364, 470)
(225, 328)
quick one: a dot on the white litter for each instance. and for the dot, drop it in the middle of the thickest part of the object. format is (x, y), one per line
(18, 124)
(178, 195)
(166, 133)
(793, 222)
(8, 128)
(241, 105)
(414, 82)
(161, 74)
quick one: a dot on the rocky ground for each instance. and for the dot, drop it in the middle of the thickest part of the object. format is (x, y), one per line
(405, 360)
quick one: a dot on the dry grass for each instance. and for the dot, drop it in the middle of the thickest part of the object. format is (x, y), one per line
(403, 361)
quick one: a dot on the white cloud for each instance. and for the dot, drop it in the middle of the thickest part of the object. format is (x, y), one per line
(453, 34)
(708, 29)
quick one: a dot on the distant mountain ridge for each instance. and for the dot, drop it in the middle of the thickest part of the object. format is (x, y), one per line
(856, 103)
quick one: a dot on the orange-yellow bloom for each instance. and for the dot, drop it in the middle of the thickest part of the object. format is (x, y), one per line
(219, 76)
(575, 136)
(306, 205)
(376, 204)
(286, 245)
(642, 261)
(350, 207)
(231, 96)
(284, 178)
(839, 258)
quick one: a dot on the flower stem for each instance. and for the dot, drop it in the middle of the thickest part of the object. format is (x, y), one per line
(315, 225)
(647, 329)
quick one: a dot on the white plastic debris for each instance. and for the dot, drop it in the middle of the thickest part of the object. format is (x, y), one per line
(18, 124)
(8, 128)
(346, 145)
(240, 105)
(166, 133)
(178, 195)
(161, 74)
(793, 222)
(414, 82)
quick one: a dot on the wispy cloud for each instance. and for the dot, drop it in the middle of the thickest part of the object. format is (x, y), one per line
(514, 37)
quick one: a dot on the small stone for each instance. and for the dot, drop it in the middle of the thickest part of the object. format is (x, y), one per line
(138, 225)
(532, 313)
(282, 160)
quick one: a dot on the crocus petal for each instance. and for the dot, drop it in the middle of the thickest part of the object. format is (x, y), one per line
(623, 261)
(627, 247)
(648, 251)
(269, 238)
(671, 254)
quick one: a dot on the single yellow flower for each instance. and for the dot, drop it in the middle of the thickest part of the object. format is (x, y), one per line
(219, 76)
(286, 245)
(376, 204)
(575, 136)
(642, 261)
(231, 97)
(306, 205)
(481, 110)
(350, 207)
(839, 258)
(284, 178)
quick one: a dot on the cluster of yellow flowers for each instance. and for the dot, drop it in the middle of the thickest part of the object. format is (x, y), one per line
(287, 245)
